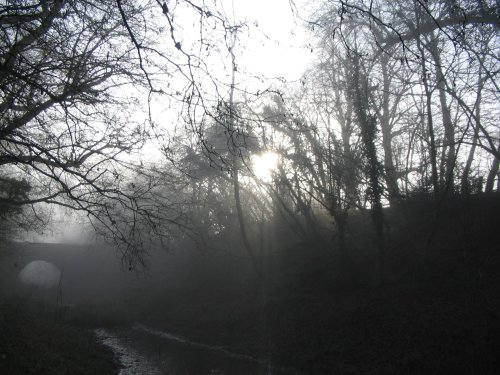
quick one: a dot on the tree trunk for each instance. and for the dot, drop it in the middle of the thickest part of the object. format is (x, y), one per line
(465, 188)
(390, 169)
(367, 124)
(236, 166)
(430, 123)
(493, 174)
(449, 129)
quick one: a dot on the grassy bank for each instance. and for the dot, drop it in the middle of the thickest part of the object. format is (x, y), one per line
(34, 341)
(433, 321)
(435, 311)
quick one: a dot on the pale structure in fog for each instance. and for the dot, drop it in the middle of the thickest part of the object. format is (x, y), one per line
(40, 274)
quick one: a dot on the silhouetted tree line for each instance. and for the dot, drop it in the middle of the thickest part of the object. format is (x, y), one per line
(402, 100)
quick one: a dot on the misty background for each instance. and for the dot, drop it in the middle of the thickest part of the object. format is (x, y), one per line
(249, 187)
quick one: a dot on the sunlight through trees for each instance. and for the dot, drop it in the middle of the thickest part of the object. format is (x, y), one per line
(401, 100)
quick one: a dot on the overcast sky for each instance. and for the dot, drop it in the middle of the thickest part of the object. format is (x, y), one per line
(277, 44)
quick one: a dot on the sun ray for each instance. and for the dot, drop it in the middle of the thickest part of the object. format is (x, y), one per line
(264, 165)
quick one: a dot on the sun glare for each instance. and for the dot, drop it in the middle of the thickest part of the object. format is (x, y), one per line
(264, 165)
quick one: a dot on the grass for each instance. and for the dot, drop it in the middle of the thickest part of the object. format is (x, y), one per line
(33, 341)
(440, 322)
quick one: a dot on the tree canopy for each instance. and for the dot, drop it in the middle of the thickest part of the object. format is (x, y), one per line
(119, 110)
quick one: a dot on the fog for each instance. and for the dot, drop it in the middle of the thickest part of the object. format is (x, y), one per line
(230, 187)
(97, 291)
(93, 274)
(202, 307)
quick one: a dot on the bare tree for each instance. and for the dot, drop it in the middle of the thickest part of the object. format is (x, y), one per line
(73, 76)
(62, 129)
(438, 49)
